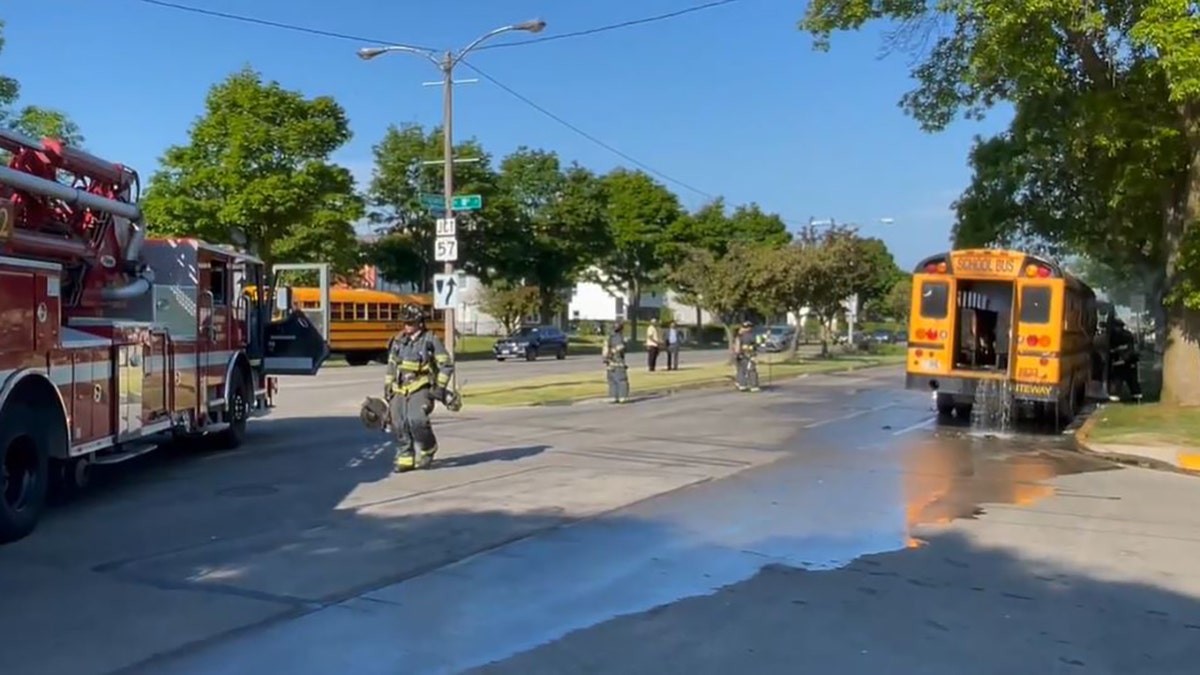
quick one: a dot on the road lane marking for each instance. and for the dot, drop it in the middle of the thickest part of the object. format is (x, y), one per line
(919, 425)
(848, 416)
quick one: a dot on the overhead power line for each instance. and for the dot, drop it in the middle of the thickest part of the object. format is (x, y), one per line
(610, 27)
(629, 158)
(279, 25)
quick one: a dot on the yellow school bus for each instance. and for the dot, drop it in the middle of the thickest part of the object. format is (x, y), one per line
(362, 320)
(984, 315)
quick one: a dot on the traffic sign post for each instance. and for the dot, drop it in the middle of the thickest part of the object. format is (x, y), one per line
(466, 203)
(445, 249)
(447, 227)
(445, 291)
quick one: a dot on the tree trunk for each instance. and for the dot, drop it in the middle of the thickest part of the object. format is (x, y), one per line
(548, 305)
(699, 320)
(635, 304)
(1181, 352)
(826, 331)
(794, 348)
(729, 335)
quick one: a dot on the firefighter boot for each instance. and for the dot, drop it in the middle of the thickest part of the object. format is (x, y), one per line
(405, 461)
(424, 458)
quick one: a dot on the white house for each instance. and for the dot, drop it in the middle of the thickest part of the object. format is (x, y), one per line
(595, 301)
(589, 301)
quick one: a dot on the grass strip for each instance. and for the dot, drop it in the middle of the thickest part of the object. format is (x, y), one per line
(571, 387)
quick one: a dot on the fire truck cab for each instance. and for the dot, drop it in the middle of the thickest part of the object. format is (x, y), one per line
(113, 343)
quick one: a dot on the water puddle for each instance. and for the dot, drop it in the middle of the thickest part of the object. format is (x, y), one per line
(952, 477)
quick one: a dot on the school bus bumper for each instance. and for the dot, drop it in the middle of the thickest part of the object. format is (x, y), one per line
(962, 389)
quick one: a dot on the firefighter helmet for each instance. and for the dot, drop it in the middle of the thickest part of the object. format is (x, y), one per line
(374, 413)
(412, 313)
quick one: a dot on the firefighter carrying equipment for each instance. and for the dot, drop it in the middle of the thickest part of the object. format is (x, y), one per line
(616, 370)
(374, 414)
(745, 351)
(419, 372)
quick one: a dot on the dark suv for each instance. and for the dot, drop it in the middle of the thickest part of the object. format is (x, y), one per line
(531, 342)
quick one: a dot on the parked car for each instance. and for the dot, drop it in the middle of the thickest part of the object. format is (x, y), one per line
(531, 342)
(776, 338)
(883, 335)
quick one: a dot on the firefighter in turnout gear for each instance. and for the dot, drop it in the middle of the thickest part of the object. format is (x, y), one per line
(614, 363)
(1123, 350)
(745, 354)
(419, 372)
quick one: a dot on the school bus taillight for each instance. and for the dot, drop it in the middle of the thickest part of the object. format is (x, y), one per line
(1037, 271)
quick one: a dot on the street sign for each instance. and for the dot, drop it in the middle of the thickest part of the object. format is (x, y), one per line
(433, 203)
(445, 291)
(467, 203)
(447, 227)
(445, 249)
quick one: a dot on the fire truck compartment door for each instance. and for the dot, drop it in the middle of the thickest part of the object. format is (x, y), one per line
(130, 379)
(298, 343)
(294, 346)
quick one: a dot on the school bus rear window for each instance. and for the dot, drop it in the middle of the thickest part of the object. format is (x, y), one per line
(1035, 304)
(935, 297)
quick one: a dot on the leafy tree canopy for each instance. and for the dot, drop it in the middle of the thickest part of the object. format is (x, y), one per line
(258, 161)
(1103, 157)
(640, 215)
(401, 176)
(509, 303)
(559, 222)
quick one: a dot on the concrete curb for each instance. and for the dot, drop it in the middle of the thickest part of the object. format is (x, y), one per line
(689, 386)
(1161, 458)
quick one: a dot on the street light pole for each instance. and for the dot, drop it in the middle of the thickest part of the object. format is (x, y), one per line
(448, 175)
(446, 64)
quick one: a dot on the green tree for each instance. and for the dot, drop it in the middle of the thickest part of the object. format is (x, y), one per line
(794, 275)
(401, 176)
(509, 303)
(836, 270)
(730, 286)
(258, 161)
(559, 223)
(878, 270)
(898, 301)
(640, 214)
(1094, 85)
(33, 121)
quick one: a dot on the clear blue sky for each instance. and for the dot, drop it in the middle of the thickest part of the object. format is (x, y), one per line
(731, 100)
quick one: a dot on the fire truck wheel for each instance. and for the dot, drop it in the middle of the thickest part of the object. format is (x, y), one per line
(239, 412)
(24, 469)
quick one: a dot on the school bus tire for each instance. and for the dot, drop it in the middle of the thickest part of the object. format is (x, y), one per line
(358, 359)
(945, 406)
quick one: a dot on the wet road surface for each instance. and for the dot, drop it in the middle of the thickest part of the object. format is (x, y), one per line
(827, 521)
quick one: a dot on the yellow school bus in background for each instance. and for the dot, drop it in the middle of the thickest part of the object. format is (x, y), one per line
(362, 320)
(1006, 317)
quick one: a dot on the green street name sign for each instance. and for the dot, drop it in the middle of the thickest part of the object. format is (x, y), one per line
(467, 203)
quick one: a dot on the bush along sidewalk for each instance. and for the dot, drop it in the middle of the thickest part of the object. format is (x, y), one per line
(576, 387)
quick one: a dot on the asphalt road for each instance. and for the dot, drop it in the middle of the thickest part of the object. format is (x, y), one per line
(825, 522)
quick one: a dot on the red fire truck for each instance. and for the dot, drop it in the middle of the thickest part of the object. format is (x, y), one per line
(112, 342)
